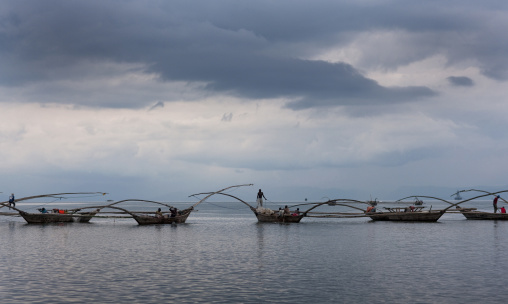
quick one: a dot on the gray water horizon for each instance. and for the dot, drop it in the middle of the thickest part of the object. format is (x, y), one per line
(223, 255)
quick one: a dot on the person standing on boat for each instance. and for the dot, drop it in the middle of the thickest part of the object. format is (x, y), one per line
(12, 201)
(260, 199)
(494, 203)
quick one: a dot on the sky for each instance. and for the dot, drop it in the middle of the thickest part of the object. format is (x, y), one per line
(316, 99)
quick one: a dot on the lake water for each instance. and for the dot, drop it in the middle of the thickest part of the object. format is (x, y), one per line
(222, 255)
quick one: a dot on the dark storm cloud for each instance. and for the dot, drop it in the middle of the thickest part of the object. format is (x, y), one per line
(460, 81)
(249, 50)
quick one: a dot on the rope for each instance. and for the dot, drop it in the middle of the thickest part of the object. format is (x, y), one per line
(224, 207)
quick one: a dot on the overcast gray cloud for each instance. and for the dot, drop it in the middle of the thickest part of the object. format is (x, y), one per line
(361, 94)
(255, 50)
(461, 81)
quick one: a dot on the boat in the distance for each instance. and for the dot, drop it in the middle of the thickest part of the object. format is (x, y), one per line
(57, 215)
(180, 218)
(457, 196)
(405, 215)
(265, 215)
(173, 216)
(43, 218)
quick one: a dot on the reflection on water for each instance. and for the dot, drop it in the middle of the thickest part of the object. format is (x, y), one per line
(227, 257)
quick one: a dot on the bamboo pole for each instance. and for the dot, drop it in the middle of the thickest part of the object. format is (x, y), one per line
(54, 195)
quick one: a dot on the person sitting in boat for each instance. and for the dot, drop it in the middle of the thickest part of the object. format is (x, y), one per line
(174, 211)
(412, 208)
(297, 212)
(158, 213)
(286, 210)
(371, 209)
(281, 212)
(503, 210)
(259, 199)
(43, 210)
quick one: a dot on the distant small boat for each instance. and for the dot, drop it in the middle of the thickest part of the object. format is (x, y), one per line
(457, 196)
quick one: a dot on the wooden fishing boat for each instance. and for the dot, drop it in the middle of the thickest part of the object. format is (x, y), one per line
(479, 215)
(268, 216)
(399, 215)
(84, 217)
(54, 217)
(472, 214)
(152, 218)
(43, 218)
(165, 219)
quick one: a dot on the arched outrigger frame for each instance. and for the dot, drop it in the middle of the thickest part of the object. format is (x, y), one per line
(461, 202)
(306, 212)
(54, 195)
(146, 220)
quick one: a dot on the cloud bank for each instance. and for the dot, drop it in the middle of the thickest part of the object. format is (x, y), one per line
(223, 48)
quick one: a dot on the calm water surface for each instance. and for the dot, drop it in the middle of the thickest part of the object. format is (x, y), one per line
(222, 255)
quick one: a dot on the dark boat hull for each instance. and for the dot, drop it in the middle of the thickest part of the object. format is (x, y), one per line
(84, 217)
(43, 218)
(156, 220)
(275, 218)
(425, 216)
(479, 215)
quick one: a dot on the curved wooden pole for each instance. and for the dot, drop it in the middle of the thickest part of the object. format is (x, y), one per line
(314, 207)
(483, 192)
(347, 200)
(135, 200)
(456, 204)
(216, 192)
(227, 194)
(55, 195)
(122, 209)
(346, 205)
(304, 212)
(488, 194)
(431, 197)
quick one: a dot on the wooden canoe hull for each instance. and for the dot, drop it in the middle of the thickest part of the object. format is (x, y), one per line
(84, 217)
(479, 215)
(43, 218)
(155, 220)
(425, 216)
(275, 218)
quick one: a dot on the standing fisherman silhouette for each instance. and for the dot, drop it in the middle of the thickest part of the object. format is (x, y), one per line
(494, 203)
(12, 201)
(260, 199)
